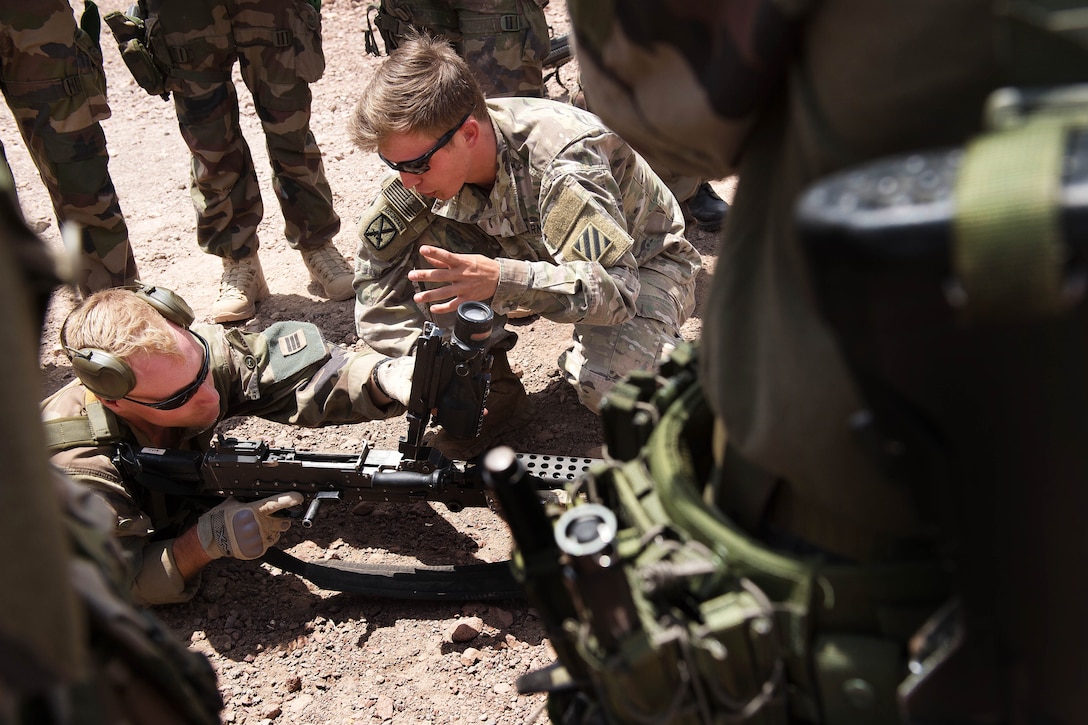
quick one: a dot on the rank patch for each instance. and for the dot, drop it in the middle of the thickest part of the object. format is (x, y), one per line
(292, 343)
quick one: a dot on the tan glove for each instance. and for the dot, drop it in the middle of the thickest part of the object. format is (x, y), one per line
(245, 530)
(394, 378)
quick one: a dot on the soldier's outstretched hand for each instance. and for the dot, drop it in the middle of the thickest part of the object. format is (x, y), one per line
(465, 278)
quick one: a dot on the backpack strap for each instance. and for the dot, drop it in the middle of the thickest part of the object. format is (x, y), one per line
(98, 427)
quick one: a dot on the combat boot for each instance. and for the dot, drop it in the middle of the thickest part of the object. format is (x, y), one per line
(329, 269)
(508, 408)
(706, 208)
(241, 286)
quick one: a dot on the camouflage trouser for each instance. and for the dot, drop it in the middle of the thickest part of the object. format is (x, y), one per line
(278, 46)
(504, 42)
(51, 75)
(599, 356)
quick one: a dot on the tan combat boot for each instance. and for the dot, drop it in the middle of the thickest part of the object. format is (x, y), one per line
(241, 286)
(329, 269)
(508, 408)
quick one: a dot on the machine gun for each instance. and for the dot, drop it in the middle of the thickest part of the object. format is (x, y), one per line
(559, 55)
(450, 382)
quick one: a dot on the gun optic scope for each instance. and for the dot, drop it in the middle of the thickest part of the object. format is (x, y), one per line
(473, 325)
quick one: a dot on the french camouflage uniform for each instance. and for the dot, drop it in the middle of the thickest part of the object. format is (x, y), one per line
(504, 42)
(52, 78)
(73, 647)
(287, 374)
(277, 44)
(584, 233)
(767, 470)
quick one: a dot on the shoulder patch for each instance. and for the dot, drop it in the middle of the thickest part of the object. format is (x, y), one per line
(396, 218)
(381, 231)
(591, 243)
(579, 229)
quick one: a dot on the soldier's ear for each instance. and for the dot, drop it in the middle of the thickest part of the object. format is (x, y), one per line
(470, 131)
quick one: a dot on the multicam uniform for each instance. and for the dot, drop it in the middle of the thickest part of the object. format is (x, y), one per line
(258, 374)
(51, 75)
(583, 230)
(504, 42)
(278, 46)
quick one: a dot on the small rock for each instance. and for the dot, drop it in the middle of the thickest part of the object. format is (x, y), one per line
(466, 629)
(470, 656)
(502, 617)
(293, 684)
(384, 707)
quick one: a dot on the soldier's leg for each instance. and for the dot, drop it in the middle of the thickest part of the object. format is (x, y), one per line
(504, 42)
(600, 356)
(195, 39)
(223, 180)
(279, 44)
(698, 200)
(54, 83)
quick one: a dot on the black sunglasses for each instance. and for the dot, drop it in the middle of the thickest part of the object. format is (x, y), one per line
(419, 164)
(185, 394)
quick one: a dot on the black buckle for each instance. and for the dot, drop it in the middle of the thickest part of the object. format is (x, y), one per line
(72, 85)
(509, 23)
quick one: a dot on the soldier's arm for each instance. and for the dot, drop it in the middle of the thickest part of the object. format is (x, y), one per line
(386, 318)
(594, 277)
(290, 374)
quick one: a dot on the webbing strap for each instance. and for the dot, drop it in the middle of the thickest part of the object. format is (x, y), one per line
(491, 25)
(98, 427)
(197, 76)
(1008, 252)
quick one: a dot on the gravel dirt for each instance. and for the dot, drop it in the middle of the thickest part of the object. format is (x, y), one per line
(286, 651)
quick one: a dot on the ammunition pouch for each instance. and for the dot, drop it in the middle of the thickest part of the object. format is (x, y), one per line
(130, 32)
(684, 617)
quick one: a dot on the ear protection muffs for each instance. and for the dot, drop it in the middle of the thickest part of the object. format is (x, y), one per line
(108, 376)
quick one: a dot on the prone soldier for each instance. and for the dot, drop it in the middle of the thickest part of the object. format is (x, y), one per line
(73, 646)
(147, 374)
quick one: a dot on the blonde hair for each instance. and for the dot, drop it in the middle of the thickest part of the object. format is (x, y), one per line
(119, 322)
(423, 87)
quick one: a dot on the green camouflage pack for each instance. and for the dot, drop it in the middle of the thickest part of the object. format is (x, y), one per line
(504, 42)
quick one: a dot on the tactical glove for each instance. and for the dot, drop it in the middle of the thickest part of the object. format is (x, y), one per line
(394, 378)
(245, 530)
